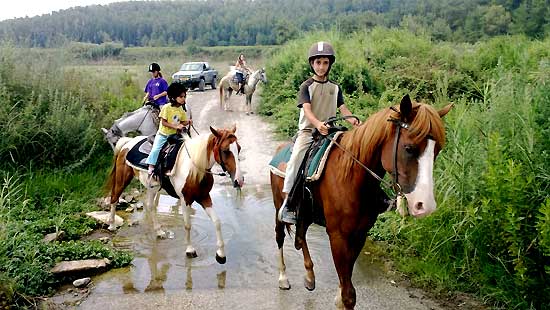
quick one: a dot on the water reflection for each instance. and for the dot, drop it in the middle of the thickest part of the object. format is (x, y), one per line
(220, 277)
(247, 225)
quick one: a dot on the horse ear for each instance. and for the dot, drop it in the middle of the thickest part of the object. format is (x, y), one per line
(215, 132)
(105, 131)
(445, 110)
(234, 128)
(405, 108)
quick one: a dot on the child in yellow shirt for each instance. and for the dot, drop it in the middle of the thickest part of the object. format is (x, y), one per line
(173, 119)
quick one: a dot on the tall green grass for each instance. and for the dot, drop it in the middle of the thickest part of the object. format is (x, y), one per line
(53, 158)
(490, 234)
(53, 161)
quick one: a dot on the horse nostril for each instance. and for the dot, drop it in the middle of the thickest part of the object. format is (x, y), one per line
(419, 205)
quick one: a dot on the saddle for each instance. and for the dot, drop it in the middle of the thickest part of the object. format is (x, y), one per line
(310, 171)
(138, 154)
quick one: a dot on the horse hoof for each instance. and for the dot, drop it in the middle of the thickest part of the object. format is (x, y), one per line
(161, 234)
(112, 228)
(220, 260)
(191, 254)
(310, 285)
(284, 285)
(298, 243)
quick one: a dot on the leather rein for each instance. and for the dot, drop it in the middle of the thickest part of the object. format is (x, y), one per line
(394, 185)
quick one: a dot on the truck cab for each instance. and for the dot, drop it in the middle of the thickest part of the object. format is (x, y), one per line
(196, 75)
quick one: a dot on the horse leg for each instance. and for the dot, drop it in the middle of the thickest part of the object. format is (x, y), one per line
(276, 186)
(190, 250)
(227, 97)
(309, 278)
(344, 256)
(284, 284)
(151, 202)
(220, 253)
(248, 104)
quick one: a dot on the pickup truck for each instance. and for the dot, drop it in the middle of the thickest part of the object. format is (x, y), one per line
(196, 75)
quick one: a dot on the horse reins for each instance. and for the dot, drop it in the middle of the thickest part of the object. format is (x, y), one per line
(224, 173)
(144, 116)
(394, 185)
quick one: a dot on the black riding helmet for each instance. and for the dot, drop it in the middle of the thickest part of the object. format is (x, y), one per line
(321, 49)
(154, 67)
(174, 90)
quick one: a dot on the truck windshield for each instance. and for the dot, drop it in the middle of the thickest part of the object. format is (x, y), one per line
(191, 67)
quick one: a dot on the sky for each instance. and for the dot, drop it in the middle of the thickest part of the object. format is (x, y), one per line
(21, 8)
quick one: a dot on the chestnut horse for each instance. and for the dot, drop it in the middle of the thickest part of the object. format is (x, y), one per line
(191, 178)
(349, 193)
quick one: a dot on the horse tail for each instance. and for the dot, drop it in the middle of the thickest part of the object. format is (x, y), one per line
(120, 143)
(221, 92)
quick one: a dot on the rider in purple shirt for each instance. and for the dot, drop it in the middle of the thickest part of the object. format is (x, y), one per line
(156, 87)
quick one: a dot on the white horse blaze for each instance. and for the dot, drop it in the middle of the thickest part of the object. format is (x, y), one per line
(238, 174)
(421, 201)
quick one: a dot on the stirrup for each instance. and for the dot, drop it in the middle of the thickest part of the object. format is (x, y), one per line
(286, 216)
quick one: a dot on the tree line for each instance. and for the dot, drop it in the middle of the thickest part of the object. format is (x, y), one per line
(267, 22)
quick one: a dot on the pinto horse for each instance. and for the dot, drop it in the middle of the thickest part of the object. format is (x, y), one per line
(191, 178)
(402, 141)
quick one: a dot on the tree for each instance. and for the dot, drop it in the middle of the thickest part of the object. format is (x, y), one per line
(496, 20)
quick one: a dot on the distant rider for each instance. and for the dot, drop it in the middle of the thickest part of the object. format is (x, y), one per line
(241, 69)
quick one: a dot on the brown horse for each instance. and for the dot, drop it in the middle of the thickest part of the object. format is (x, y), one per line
(191, 178)
(350, 196)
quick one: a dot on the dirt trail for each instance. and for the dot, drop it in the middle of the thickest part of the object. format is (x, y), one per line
(163, 278)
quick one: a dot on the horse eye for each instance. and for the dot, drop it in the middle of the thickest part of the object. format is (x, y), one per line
(411, 149)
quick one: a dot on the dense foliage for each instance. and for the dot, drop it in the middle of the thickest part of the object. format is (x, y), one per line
(490, 234)
(52, 157)
(262, 22)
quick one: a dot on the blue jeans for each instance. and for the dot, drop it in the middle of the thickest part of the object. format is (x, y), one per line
(160, 139)
(240, 77)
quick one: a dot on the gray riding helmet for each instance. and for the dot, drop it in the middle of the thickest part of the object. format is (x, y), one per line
(321, 49)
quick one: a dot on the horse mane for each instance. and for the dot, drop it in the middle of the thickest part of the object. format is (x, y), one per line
(199, 151)
(128, 114)
(363, 142)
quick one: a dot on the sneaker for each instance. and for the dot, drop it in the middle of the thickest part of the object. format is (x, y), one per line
(151, 173)
(285, 215)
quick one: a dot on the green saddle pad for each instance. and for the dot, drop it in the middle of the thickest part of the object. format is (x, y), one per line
(316, 158)
(283, 156)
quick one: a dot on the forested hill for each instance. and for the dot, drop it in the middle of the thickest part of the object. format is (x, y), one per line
(260, 22)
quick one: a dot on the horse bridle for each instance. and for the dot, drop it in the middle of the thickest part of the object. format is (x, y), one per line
(221, 161)
(394, 185)
(224, 168)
